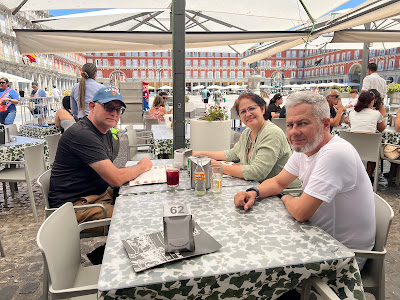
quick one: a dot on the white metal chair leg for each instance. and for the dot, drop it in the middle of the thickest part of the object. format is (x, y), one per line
(32, 199)
(45, 283)
(2, 249)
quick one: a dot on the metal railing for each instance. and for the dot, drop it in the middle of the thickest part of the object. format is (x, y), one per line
(39, 107)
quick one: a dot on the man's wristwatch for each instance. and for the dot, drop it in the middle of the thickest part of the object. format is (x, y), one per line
(254, 189)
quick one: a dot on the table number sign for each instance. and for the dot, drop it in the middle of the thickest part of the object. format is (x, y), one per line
(178, 228)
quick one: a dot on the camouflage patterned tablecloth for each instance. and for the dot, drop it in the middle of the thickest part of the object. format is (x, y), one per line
(163, 139)
(39, 132)
(14, 151)
(264, 253)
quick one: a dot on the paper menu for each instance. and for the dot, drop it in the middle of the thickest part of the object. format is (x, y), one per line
(155, 175)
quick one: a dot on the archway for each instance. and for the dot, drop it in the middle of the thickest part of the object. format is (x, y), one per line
(390, 79)
(355, 73)
(116, 77)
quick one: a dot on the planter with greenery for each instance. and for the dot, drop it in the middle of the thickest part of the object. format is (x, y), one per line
(393, 90)
(212, 132)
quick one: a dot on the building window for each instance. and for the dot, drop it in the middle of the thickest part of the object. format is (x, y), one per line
(150, 63)
(342, 69)
(142, 63)
(316, 72)
(278, 63)
(188, 54)
(143, 74)
(188, 74)
(356, 54)
(135, 54)
(217, 74)
(232, 63)
(196, 54)
(300, 72)
(217, 63)
(326, 71)
(279, 55)
(224, 63)
(293, 64)
(233, 55)
(348, 55)
(391, 64)
(336, 69)
(116, 54)
(166, 74)
(294, 53)
(187, 63)
(300, 63)
(210, 74)
(382, 52)
(268, 64)
(293, 74)
(330, 70)
(381, 65)
(128, 62)
(165, 54)
(240, 74)
(372, 52)
(288, 63)
(247, 74)
(210, 63)
(232, 74)
(202, 74)
(135, 74)
(210, 54)
(288, 54)
(116, 62)
(225, 54)
(90, 60)
(195, 63)
(165, 62)
(301, 54)
(240, 63)
(105, 62)
(393, 50)
(224, 74)
(151, 74)
(217, 54)
(195, 74)
(332, 58)
(127, 54)
(150, 54)
(100, 73)
(202, 62)
(202, 54)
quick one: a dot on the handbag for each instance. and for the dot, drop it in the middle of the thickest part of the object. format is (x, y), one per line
(391, 152)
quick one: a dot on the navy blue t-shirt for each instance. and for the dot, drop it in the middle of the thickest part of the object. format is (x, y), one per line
(332, 111)
(71, 176)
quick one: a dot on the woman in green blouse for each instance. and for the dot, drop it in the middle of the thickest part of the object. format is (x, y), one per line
(262, 149)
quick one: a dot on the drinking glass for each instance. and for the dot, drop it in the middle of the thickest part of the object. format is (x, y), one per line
(172, 176)
(216, 179)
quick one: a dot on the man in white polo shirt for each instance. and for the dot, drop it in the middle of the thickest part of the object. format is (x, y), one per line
(374, 81)
(337, 193)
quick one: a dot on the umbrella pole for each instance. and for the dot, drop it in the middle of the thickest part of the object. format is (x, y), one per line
(178, 69)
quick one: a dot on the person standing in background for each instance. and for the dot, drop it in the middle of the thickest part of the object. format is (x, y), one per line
(146, 96)
(205, 93)
(37, 93)
(374, 81)
(82, 93)
(353, 98)
(8, 99)
(56, 92)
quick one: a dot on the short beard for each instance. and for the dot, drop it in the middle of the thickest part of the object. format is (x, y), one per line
(313, 144)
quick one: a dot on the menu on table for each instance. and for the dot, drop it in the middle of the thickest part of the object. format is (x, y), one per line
(147, 251)
(155, 175)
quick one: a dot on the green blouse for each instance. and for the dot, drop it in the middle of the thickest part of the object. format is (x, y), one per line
(269, 155)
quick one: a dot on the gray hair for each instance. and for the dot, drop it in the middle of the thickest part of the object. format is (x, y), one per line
(319, 104)
(329, 91)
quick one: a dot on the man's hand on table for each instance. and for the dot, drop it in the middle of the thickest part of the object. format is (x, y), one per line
(245, 199)
(145, 163)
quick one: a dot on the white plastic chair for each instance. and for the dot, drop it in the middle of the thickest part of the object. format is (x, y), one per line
(58, 240)
(148, 123)
(12, 129)
(280, 122)
(29, 169)
(368, 147)
(199, 111)
(52, 143)
(373, 273)
(134, 144)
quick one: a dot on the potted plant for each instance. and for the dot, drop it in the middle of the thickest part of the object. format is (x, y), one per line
(393, 90)
(212, 132)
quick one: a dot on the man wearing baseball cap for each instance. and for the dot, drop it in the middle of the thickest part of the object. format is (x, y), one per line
(83, 171)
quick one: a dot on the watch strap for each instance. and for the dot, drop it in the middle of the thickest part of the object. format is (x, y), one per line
(254, 189)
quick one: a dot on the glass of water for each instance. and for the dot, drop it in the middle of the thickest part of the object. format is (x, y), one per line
(216, 179)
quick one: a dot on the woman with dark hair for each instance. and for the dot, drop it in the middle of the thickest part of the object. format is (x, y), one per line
(262, 149)
(273, 110)
(8, 99)
(364, 118)
(157, 111)
(64, 117)
(378, 103)
(82, 93)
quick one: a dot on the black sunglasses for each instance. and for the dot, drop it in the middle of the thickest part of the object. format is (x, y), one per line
(334, 96)
(2, 82)
(108, 107)
(165, 97)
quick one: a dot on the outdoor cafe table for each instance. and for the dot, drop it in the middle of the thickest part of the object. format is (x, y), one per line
(264, 253)
(184, 181)
(389, 135)
(163, 139)
(15, 150)
(38, 131)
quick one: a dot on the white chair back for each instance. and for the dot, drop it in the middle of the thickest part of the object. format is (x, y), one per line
(35, 163)
(368, 147)
(280, 122)
(44, 184)
(132, 141)
(234, 114)
(58, 240)
(12, 129)
(149, 122)
(52, 143)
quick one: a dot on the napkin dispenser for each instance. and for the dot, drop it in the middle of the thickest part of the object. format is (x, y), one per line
(180, 158)
(206, 163)
(178, 228)
(4, 134)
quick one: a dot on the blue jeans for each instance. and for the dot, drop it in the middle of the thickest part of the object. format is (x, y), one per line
(7, 117)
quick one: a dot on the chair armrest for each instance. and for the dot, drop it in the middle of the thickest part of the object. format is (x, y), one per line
(369, 254)
(94, 224)
(320, 286)
(73, 292)
(87, 206)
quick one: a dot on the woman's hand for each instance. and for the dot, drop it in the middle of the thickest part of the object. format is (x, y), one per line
(216, 163)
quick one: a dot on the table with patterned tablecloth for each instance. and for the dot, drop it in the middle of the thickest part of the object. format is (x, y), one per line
(389, 135)
(39, 132)
(184, 181)
(264, 253)
(14, 151)
(164, 139)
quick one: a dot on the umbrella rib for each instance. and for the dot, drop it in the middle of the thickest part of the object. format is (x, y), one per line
(196, 22)
(19, 7)
(122, 21)
(216, 21)
(152, 16)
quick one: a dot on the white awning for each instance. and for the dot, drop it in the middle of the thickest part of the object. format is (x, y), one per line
(14, 78)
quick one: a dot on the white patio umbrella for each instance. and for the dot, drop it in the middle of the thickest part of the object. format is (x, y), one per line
(150, 87)
(234, 87)
(14, 78)
(352, 84)
(198, 87)
(165, 87)
(264, 86)
(214, 87)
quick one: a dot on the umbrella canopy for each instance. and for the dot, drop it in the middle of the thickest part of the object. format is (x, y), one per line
(198, 87)
(352, 84)
(264, 86)
(234, 86)
(150, 87)
(165, 87)
(214, 87)
(14, 78)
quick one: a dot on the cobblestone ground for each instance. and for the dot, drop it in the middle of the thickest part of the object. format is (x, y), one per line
(21, 269)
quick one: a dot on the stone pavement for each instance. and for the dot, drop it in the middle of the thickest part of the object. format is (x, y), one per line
(21, 269)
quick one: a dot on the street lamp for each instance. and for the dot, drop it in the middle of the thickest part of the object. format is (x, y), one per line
(159, 69)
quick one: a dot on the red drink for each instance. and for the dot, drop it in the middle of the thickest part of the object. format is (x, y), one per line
(172, 177)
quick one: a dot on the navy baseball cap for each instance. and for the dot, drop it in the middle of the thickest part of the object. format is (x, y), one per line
(107, 94)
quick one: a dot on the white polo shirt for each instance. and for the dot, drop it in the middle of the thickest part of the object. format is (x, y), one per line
(374, 81)
(337, 176)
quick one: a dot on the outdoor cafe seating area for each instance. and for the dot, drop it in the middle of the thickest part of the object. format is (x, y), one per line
(263, 254)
